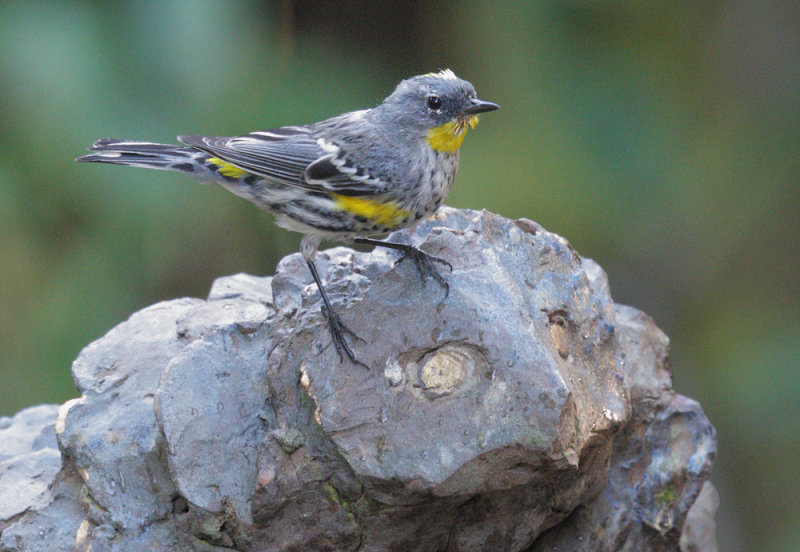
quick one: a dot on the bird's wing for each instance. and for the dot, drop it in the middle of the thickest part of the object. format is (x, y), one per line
(281, 154)
(291, 156)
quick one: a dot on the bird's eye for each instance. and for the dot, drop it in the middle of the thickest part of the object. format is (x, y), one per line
(434, 102)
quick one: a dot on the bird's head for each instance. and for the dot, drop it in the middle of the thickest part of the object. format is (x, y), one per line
(439, 106)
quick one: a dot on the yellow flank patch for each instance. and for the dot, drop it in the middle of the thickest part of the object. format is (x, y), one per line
(448, 137)
(226, 169)
(385, 213)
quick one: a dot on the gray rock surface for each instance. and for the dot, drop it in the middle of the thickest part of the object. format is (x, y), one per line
(700, 529)
(29, 459)
(660, 462)
(29, 430)
(523, 411)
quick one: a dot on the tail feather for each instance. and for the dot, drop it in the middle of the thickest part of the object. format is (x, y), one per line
(149, 155)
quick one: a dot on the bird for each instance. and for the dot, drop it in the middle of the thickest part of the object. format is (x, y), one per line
(355, 177)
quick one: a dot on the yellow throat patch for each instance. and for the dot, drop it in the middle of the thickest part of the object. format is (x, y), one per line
(385, 213)
(448, 137)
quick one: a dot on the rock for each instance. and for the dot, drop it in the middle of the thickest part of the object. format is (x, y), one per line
(29, 459)
(110, 436)
(29, 430)
(661, 460)
(517, 412)
(30, 468)
(700, 529)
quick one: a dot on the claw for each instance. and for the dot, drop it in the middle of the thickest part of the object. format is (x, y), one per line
(335, 324)
(338, 329)
(423, 261)
(425, 267)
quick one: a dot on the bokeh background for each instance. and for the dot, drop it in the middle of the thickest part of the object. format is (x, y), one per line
(662, 139)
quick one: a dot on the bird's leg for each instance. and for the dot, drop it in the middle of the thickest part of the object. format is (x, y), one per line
(423, 261)
(335, 324)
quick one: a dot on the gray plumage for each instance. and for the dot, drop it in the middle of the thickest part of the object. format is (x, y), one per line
(361, 174)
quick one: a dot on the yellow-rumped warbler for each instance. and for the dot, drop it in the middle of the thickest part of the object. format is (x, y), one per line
(361, 174)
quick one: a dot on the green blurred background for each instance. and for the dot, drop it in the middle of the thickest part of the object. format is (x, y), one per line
(660, 138)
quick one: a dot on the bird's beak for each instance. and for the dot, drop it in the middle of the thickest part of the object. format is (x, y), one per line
(479, 106)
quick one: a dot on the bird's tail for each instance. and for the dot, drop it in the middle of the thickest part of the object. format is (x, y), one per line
(152, 156)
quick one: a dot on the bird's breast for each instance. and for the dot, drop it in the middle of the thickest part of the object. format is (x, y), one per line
(438, 172)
